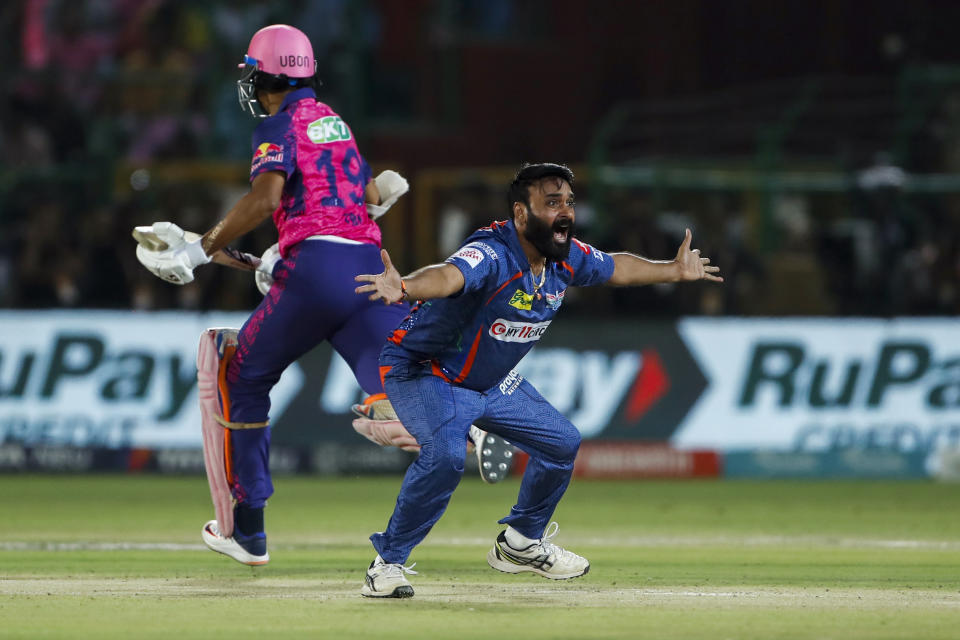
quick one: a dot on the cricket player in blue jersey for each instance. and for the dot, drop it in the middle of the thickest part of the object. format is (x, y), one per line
(450, 363)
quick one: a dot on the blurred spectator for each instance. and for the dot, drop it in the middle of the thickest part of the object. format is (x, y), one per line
(98, 90)
(48, 260)
(104, 273)
(462, 213)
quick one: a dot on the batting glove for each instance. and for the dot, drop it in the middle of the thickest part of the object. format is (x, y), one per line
(391, 186)
(176, 263)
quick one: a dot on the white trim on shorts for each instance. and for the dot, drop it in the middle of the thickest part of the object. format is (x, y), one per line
(335, 239)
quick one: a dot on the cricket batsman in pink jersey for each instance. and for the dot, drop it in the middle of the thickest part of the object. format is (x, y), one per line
(307, 173)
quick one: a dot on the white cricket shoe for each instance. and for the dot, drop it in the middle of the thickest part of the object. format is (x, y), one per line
(543, 558)
(250, 551)
(494, 454)
(387, 580)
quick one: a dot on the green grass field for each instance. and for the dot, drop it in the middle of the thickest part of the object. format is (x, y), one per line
(120, 556)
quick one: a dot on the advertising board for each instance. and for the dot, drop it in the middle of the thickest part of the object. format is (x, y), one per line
(824, 384)
(126, 381)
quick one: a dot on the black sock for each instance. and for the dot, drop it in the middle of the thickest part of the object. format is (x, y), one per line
(248, 520)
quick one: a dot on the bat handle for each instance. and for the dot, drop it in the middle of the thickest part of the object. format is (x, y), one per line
(234, 259)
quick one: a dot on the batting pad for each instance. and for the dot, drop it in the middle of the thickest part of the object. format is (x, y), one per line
(213, 355)
(387, 433)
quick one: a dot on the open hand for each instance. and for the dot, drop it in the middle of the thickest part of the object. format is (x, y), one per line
(384, 286)
(692, 266)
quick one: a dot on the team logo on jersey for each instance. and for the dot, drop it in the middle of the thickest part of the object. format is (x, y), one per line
(328, 129)
(507, 331)
(554, 300)
(522, 300)
(267, 152)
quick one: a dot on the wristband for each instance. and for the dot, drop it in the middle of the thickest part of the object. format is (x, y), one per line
(403, 290)
(195, 253)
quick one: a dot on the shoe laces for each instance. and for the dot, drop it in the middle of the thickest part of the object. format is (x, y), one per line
(553, 549)
(396, 569)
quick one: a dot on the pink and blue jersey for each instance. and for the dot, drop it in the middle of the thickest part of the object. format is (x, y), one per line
(476, 337)
(313, 296)
(326, 175)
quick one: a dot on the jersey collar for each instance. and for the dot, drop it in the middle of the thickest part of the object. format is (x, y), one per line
(295, 96)
(508, 232)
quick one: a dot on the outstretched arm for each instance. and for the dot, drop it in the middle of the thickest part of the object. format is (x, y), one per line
(426, 283)
(632, 270)
(176, 263)
(252, 209)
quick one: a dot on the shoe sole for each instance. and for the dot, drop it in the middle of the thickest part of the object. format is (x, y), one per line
(231, 549)
(494, 457)
(400, 592)
(508, 567)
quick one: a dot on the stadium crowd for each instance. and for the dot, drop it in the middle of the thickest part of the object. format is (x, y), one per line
(102, 96)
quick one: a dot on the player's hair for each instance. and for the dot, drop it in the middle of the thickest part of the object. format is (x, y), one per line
(270, 82)
(530, 174)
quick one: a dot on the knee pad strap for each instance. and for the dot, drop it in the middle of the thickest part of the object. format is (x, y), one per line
(241, 425)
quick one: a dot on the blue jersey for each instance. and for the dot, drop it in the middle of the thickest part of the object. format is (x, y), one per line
(475, 337)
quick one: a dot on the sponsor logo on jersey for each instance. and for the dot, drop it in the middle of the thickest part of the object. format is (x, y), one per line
(507, 331)
(328, 129)
(510, 384)
(471, 254)
(554, 300)
(487, 249)
(267, 152)
(521, 300)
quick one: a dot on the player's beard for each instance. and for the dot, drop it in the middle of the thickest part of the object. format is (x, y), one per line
(541, 237)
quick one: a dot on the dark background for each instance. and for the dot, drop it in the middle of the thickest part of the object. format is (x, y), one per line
(812, 146)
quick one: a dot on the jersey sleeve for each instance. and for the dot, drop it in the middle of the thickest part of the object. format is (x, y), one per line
(590, 266)
(274, 147)
(479, 262)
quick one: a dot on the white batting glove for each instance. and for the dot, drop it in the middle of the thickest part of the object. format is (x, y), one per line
(391, 186)
(176, 263)
(264, 273)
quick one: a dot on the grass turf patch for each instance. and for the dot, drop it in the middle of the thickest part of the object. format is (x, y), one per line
(111, 556)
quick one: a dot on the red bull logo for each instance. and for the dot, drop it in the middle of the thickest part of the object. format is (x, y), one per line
(266, 150)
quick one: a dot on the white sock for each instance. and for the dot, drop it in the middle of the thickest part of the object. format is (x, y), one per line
(517, 540)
